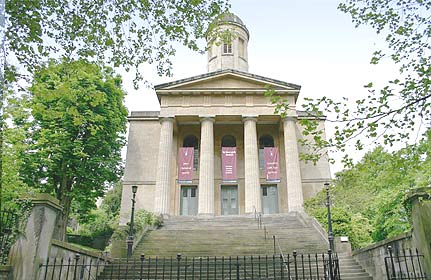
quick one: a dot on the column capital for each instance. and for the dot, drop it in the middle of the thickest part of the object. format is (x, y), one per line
(249, 118)
(166, 119)
(290, 118)
(207, 118)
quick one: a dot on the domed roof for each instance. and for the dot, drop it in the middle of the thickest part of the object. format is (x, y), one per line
(231, 17)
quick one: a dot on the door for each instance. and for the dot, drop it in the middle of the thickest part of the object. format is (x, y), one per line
(229, 200)
(269, 199)
(189, 201)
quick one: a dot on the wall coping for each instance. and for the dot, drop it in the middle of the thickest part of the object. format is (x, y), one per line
(424, 192)
(381, 243)
(73, 248)
(46, 199)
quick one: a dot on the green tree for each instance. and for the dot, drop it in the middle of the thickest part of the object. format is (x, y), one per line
(392, 114)
(77, 132)
(116, 33)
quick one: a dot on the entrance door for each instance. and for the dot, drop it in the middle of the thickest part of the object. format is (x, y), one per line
(269, 199)
(229, 200)
(189, 201)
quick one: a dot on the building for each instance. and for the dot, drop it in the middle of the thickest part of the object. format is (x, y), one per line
(216, 147)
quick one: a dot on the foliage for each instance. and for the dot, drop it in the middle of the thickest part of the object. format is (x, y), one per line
(116, 33)
(371, 195)
(390, 115)
(142, 219)
(111, 203)
(77, 132)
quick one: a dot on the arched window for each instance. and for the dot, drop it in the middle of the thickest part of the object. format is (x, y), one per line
(192, 141)
(264, 141)
(228, 141)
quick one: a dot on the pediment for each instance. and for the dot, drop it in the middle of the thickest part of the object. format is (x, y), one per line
(227, 80)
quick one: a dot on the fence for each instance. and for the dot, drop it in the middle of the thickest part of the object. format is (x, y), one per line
(291, 266)
(406, 264)
(8, 224)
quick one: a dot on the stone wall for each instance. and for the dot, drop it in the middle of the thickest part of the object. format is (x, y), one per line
(372, 258)
(88, 260)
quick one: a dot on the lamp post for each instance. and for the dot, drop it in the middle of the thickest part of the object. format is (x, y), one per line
(328, 205)
(132, 217)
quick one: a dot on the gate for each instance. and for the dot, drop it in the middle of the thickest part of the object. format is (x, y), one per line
(406, 264)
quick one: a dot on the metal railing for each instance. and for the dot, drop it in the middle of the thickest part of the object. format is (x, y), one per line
(406, 264)
(291, 266)
(8, 227)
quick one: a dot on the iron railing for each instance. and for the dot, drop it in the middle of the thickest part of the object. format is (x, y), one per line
(291, 266)
(405, 264)
(8, 227)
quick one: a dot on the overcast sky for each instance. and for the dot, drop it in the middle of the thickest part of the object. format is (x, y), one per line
(309, 43)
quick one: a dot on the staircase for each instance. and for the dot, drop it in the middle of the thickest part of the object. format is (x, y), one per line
(211, 245)
(351, 270)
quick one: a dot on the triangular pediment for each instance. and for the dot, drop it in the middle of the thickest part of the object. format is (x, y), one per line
(227, 80)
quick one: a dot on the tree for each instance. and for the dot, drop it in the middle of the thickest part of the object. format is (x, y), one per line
(116, 33)
(373, 192)
(77, 132)
(400, 110)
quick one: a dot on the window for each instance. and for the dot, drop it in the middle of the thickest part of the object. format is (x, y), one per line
(227, 48)
(192, 141)
(264, 141)
(241, 48)
(228, 141)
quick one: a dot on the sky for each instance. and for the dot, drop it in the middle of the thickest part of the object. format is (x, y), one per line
(309, 43)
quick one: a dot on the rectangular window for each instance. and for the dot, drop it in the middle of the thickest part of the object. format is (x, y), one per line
(195, 159)
(227, 48)
(241, 47)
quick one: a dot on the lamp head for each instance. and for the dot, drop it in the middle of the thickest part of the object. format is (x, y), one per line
(326, 186)
(134, 189)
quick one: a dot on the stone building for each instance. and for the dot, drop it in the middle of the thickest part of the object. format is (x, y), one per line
(216, 147)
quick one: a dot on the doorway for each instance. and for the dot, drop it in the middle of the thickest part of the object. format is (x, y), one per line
(229, 200)
(269, 199)
(189, 201)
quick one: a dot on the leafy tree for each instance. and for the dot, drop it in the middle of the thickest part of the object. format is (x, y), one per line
(77, 132)
(116, 33)
(395, 113)
(111, 203)
(371, 195)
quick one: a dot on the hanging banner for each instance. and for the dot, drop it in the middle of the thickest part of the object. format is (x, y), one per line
(228, 164)
(185, 164)
(272, 165)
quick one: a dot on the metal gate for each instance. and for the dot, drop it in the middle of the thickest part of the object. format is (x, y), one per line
(406, 264)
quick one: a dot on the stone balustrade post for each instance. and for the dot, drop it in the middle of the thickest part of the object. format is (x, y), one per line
(32, 246)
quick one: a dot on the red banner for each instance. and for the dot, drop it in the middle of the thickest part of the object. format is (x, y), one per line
(185, 164)
(228, 164)
(272, 165)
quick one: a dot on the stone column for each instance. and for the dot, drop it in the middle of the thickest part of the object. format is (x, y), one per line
(293, 172)
(163, 179)
(252, 185)
(33, 245)
(206, 167)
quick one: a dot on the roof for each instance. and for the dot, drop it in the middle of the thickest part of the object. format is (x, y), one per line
(223, 72)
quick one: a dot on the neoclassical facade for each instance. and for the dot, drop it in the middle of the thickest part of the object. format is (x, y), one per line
(216, 147)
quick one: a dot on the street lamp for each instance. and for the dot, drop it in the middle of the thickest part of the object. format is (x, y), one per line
(328, 205)
(132, 216)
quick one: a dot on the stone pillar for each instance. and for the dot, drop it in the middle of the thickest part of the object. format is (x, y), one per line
(252, 185)
(293, 172)
(32, 247)
(163, 179)
(206, 167)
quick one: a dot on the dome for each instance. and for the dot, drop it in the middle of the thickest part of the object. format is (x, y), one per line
(231, 17)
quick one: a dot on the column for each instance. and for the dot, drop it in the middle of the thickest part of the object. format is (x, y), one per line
(293, 172)
(206, 167)
(163, 177)
(252, 185)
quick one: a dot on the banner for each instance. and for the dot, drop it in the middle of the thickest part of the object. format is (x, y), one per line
(272, 165)
(185, 164)
(228, 164)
